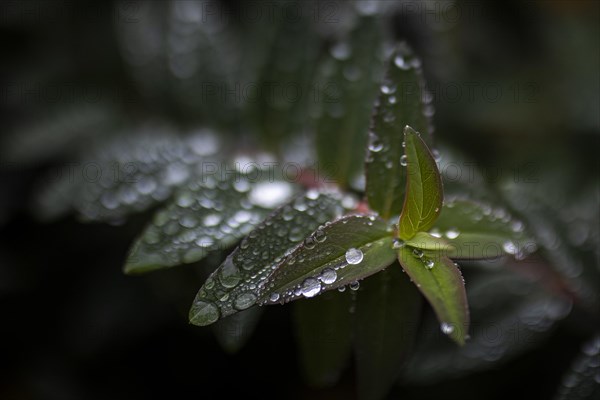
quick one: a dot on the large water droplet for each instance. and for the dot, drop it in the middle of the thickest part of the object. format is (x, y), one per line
(270, 194)
(244, 301)
(310, 287)
(328, 276)
(229, 275)
(354, 256)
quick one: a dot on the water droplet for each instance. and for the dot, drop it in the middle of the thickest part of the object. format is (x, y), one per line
(452, 233)
(387, 88)
(435, 233)
(517, 226)
(398, 244)
(436, 155)
(310, 243)
(244, 301)
(342, 289)
(187, 221)
(311, 287)
(509, 247)
(354, 256)
(401, 63)
(354, 285)
(328, 276)
(242, 216)
(341, 51)
(429, 264)
(205, 312)
(403, 161)
(375, 145)
(270, 194)
(447, 328)
(211, 220)
(229, 275)
(418, 253)
(392, 100)
(320, 236)
(274, 297)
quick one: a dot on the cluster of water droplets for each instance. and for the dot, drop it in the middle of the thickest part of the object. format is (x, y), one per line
(242, 279)
(205, 215)
(130, 173)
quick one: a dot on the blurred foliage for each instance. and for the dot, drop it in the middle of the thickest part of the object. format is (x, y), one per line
(93, 86)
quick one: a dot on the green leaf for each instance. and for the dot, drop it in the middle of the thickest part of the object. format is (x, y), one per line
(339, 253)
(441, 282)
(349, 80)
(424, 192)
(425, 241)
(479, 231)
(402, 101)
(233, 332)
(236, 284)
(204, 216)
(324, 333)
(387, 319)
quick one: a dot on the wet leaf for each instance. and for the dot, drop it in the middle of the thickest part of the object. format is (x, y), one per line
(125, 175)
(479, 230)
(425, 241)
(424, 192)
(402, 101)
(510, 314)
(234, 332)
(349, 80)
(441, 282)
(206, 215)
(238, 281)
(387, 319)
(337, 254)
(324, 336)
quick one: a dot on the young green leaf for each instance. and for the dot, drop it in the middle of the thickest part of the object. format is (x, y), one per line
(203, 216)
(425, 241)
(441, 282)
(237, 283)
(387, 319)
(424, 193)
(349, 79)
(403, 101)
(479, 231)
(324, 336)
(339, 253)
(233, 332)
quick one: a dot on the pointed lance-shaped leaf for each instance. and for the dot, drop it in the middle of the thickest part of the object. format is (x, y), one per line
(337, 254)
(238, 282)
(424, 192)
(403, 100)
(349, 79)
(442, 284)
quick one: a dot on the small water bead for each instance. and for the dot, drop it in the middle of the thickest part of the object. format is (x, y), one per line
(447, 328)
(452, 233)
(310, 287)
(517, 226)
(341, 51)
(187, 221)
(387, 88)
(341, 289)
(398, 244)
(435, 233)
(274, 297)
(436, 155)
(401, 63)
(211, 220)
(354, 285)
(418, 253)
(185, 200)
(354, 256)
(375, 144)
(429, 264)
(320, 236)
(404, 161)
(229, 275)
(509, 247)
(392, 100)
(310, 243)
(244, 301)
(328, 276)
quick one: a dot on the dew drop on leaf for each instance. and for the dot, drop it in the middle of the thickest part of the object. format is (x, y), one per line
(310, 287)
(206, 312)
(403, 161)
(328, 276)
(244, 300)
(452, 234)
(354, 285)
(447, 328)
(354, 256)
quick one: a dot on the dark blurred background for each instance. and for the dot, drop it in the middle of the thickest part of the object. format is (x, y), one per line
(516, 87)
